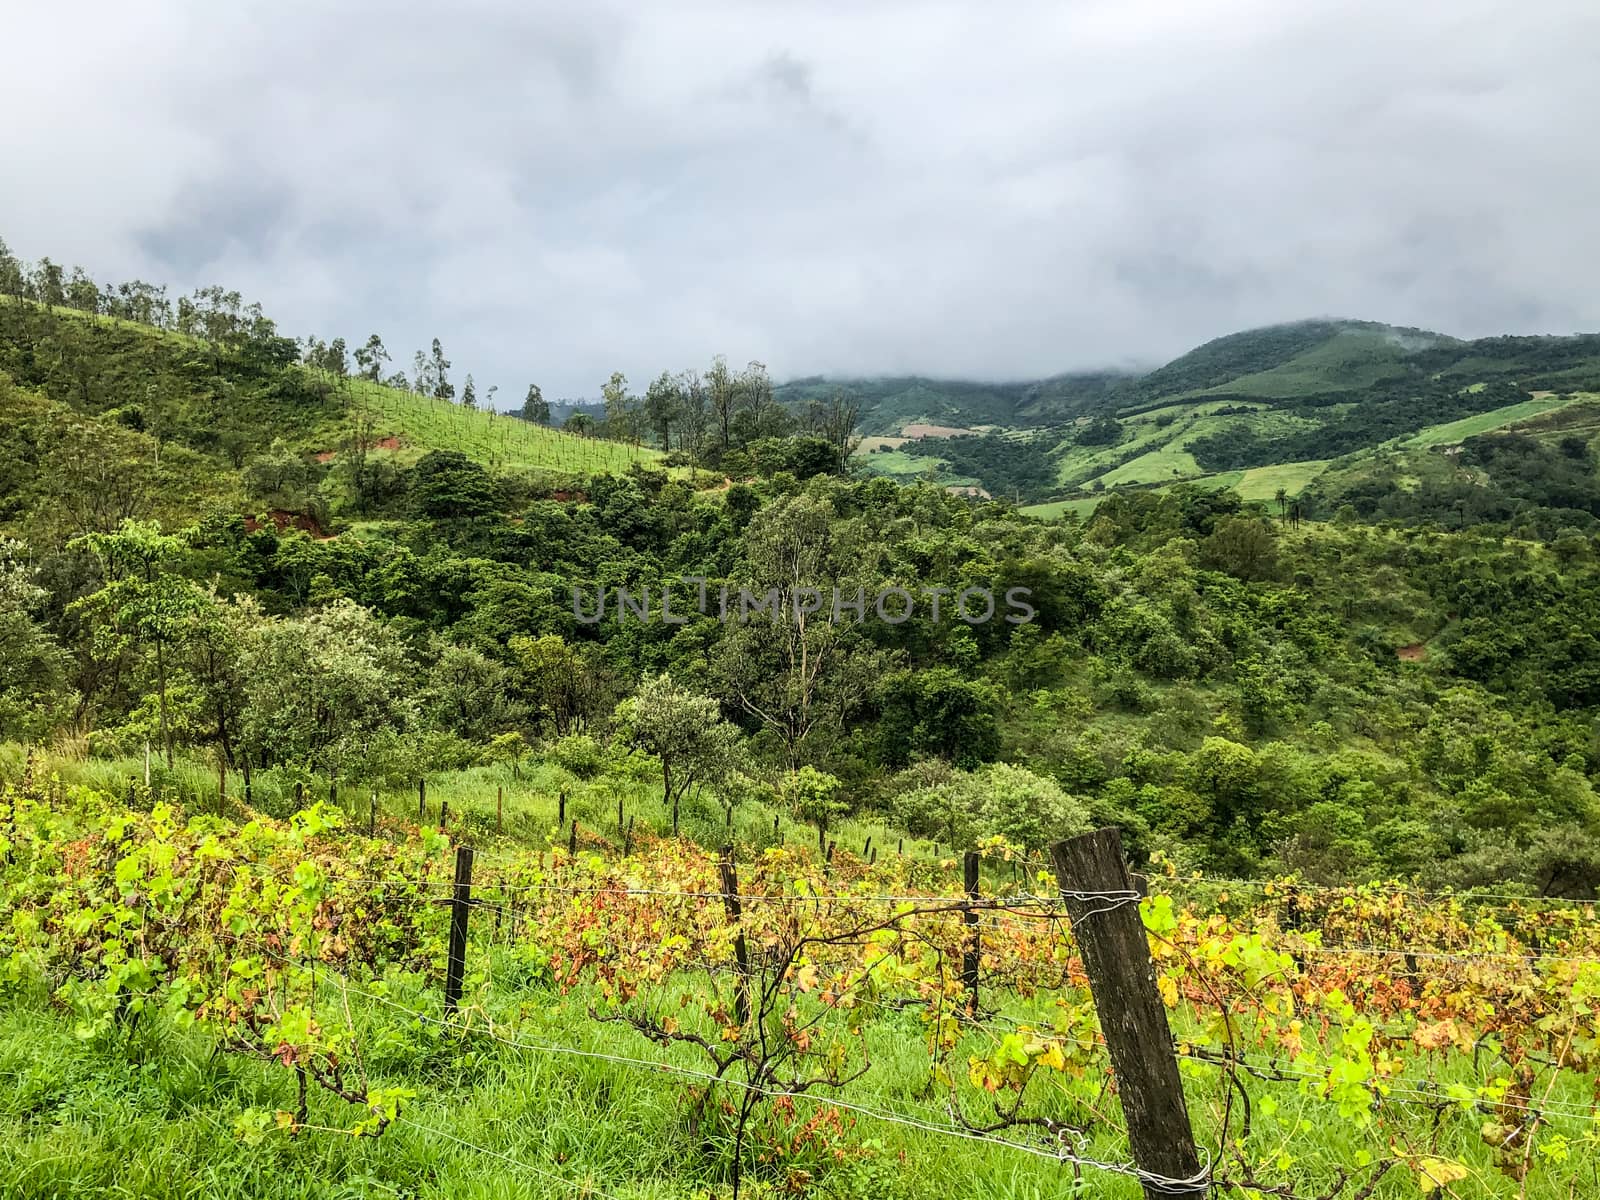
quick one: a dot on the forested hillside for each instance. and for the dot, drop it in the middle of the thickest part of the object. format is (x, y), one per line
(204, 527)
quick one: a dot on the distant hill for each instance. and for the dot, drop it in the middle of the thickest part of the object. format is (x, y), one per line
(1300, 393)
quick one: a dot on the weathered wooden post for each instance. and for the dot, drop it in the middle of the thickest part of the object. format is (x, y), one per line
(741, 952)
(460, 907)
(1104, 908)
(969, 918)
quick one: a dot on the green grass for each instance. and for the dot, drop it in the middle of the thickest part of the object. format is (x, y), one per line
(527, 1113)
(1056, 508)
(1451, 432)
(1262, 483)
(1352, 358)
(422, 423)
(1158, 466)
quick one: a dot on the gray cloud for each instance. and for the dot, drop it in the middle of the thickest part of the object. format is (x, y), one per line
(558, 191)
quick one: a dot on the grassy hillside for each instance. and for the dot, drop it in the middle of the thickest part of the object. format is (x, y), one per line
(1453, 432)
(422, 423)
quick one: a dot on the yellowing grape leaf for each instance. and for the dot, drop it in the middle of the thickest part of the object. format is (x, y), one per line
(1434, 1173)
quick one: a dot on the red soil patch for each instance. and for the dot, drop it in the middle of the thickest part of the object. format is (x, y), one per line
(570, 497)
(384, 443)
(1411, 653)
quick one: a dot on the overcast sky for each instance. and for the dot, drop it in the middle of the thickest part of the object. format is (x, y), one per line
(1001, 191)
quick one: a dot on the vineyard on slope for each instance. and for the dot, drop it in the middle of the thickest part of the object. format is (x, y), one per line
(1355, 1042)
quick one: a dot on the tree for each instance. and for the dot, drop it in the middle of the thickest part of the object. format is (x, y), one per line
(692, 416)
(49, 285)
(144, 603)
(723, 399)
(685, 731)
(793, 666)
(837, 425)
(421, 374)
(621, 409)
(580, 425)
(1027, 810)
(322, 684)
(32, 666)
(662, 403)
(535, 407)
(371, 357)
(469, 393)
(561, 684)
(937, 711)
(278, 475)
(1243, 546)
(814, 796)
(439, 374)
(469, 694)
(448, 484)
(214, 645)
(13, 279)
(1282, 497)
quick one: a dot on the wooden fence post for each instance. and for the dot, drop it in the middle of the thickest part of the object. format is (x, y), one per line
(572, 840)
(969, 918)
(627, 839)
(422, 800)
(444, 815)
(372, 817)
(1111, 939)
(561, 812)
(741, 952)
(500, 809)
(460, 907)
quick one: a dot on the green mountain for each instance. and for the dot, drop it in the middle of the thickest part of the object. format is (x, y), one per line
(1263, 409)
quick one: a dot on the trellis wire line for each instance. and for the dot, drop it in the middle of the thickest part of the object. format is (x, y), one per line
(1283, 889)
(1415, 1088)
(1198, 1183)
(506, 1158)
(1418, 1091)
(1008, 902)
(1220, 1056)
(1447, 955)
(1024, 906)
